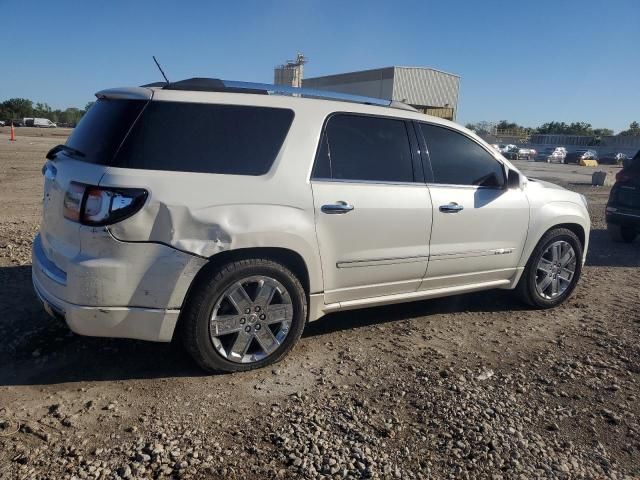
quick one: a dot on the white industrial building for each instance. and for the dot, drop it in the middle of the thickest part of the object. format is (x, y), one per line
(431, 91)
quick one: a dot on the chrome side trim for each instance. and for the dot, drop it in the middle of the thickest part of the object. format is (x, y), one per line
(471, 254)
(380, 261)
(367, 182)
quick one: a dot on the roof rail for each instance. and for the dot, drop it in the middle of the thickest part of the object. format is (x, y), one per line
(216, 85)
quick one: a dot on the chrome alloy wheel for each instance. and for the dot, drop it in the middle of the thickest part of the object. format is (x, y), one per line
(556, 269)
(251, 319)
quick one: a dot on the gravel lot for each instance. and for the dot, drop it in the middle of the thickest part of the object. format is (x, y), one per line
(473, 386)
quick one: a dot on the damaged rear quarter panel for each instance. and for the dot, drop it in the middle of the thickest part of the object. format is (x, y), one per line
(205, 214)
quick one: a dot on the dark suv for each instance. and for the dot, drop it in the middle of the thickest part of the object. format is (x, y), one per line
(623, 209)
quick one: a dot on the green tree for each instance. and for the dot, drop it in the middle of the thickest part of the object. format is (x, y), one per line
(505, 125)
(43, 110)
(633, 131)
(15, 108)
(481, 128)
(602, 132)
(71, 115)
(562, 128)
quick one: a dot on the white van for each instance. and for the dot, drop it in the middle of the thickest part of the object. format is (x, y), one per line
(38, 122)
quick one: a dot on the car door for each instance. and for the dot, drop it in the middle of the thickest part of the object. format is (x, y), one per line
(479, 225)
(372, 207)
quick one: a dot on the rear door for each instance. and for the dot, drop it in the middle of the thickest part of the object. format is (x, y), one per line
(372, 208)
(479, 226)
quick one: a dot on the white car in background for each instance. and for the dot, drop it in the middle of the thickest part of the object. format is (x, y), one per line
(274, 209)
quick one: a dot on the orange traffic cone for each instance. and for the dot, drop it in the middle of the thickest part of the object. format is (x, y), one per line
(13, 133)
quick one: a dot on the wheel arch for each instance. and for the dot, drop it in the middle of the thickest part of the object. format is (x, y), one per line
(289, 258)
(575, 228)
(556, 214)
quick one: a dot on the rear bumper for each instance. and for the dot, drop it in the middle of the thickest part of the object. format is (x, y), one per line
(156, 325)
(113, 288)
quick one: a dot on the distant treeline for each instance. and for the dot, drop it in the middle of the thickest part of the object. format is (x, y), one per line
(551, 128)
(18, 108)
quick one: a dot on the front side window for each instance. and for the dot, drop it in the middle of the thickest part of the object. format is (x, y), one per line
(458, 160)
(356, 147)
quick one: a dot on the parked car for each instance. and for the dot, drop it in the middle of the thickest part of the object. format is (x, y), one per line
(510, 152)
(582, 154)
(552, 155)
(38, 122)
(527, 154)
(613, 159)
(273, 210)
(623, 209)
(2, 123)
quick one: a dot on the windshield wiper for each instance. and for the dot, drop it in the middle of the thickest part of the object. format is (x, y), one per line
(51, 154)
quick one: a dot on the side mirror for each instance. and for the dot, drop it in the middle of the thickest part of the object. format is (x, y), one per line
(513, 179)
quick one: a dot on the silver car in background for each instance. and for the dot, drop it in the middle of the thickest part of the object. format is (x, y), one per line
(552, 155)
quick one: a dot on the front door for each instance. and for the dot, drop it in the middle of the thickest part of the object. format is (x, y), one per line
(479, 225)
(372, 208)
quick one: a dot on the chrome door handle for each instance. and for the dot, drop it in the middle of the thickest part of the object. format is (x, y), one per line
(336, 208)
(452, 207)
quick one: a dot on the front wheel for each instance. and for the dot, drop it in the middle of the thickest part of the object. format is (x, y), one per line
(553, 270)
(244, 315)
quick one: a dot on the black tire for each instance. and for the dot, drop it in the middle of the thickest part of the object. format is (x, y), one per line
(211, 285)
(621, 233)
(526, 289)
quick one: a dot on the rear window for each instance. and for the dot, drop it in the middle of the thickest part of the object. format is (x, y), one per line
(208, 138)
(103, 128)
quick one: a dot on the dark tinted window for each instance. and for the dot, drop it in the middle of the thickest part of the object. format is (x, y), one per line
(103, 127)
(365, 148)
(195, 137)
(458, 160)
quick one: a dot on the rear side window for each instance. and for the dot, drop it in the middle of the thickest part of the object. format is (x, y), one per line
(103, 128)
(208, 138)
(356, 147)
(458, 160)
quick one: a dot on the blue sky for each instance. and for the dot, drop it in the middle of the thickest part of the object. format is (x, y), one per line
(528, 62)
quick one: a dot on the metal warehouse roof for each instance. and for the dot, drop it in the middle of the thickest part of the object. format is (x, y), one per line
(412, 85)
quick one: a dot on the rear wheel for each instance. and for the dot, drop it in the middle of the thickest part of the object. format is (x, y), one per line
(553, 270)
(621, 233)
(244, 315)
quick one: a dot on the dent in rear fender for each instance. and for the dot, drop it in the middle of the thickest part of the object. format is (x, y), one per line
(545, 217)
(112, 273)
(208, 231)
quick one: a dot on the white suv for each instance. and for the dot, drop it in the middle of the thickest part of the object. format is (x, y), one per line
(231, 214)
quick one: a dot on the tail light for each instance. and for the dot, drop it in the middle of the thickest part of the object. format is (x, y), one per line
(97, 206)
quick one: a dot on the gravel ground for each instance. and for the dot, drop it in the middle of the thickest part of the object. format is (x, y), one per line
(473, 386)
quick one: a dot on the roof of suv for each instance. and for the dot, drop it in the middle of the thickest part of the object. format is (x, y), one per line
(188, 90)
(198, 84)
